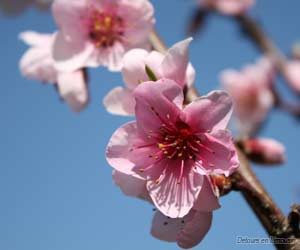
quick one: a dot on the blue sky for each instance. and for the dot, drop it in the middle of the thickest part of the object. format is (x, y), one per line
(55, 185)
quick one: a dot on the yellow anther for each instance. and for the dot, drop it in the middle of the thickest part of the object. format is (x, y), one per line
(107, 22)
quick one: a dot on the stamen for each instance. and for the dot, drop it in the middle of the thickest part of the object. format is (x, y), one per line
(181, 172)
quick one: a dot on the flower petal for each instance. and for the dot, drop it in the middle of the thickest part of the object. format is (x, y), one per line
(125, 151)
(134, 66)
(33, 38)
(70, 54)
(223, 158)
(209, 112)
(190, 75)
(194, 230)
(172, 193)
(119, 101)
(207, 200)
(174, 65)
(73, 89)
(157, 103)
(166, 228)
(131, 185)
(37, 63)
(187, 231)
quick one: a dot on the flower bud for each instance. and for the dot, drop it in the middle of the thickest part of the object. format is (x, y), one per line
(264, 151)
(292, 74)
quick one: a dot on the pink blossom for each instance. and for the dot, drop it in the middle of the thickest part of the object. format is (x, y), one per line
(265, 150)
(292, 73)
(14, 7)
(172, 148)
(251, 92)
(228, 7)
(187, 231)
(174, 65)
(93, 33)
(37, 64)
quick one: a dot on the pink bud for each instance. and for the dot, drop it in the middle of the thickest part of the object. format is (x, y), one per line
(292, 74)
(264, 151)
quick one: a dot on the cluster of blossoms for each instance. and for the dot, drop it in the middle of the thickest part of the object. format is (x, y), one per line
(91, 34)
(168, 155)
(171, 153)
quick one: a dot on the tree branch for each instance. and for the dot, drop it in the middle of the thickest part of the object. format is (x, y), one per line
(245, 180)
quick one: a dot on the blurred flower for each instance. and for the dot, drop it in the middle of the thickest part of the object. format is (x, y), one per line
(174, 65)
(37, 64)
(14, 7)
(292, 74)
(228, 7)
(251, 91)
(93, 33)
(264, 150)
(187, 231)
(173, 149)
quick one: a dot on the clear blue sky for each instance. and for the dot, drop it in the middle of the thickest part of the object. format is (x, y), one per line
(56, 190)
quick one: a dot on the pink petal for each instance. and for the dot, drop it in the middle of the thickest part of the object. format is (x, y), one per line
(73, 89)
(37, 63)
(175, 64)
(36, 39)
(125, 151)
(207, 200)
(190, 75)
(131, 185)
(70, 54)
(68, 16)
(209, 112)
(194, 230)
(223, 159)
(157, 103)
(109, 57)
(119, 101)
(135, 61)
(166, 228)
(172, 198)
(292, 73)
(187, 231)
(140, 15)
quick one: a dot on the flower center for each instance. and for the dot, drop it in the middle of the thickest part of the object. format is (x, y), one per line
(105, 29)
(179, 142)
(175, 140)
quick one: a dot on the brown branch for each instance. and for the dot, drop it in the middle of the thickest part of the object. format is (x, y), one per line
(269, 214)
(245, 180)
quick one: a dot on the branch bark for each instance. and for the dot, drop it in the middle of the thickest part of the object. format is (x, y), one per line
(244, 180)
